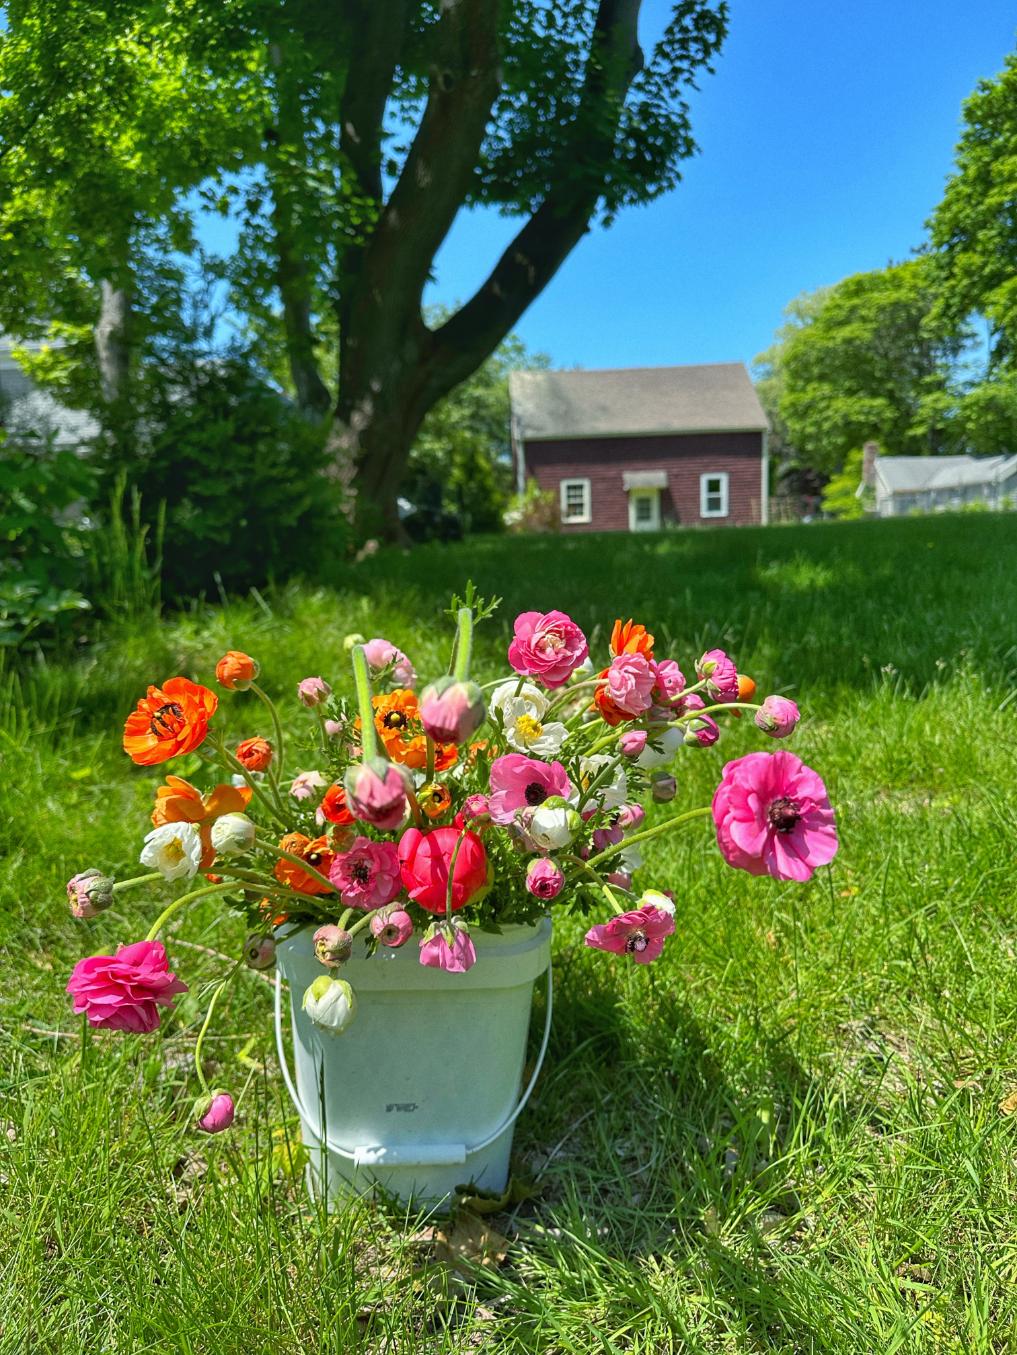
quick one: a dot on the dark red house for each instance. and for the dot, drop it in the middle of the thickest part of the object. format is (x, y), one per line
(642, 448)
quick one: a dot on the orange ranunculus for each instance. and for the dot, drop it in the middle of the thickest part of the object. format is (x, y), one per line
(169, 720)
(266, 909)
(333, 805)
(631, 638)
(746, 687)
(434, 799)
(236, 670)
(180, 802)
(254, 754)
(397, 720)
(316, 852)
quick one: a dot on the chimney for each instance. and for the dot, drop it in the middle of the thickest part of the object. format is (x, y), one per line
(869, 453)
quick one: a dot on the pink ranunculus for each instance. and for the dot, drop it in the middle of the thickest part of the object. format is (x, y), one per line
(218, 1114)
(377, 794)
(391, 926)
(313, 691)
(629, 816)
(451, 712)
(305, 785)
(548, 646)
(621, 879)
(640, 934)
(777, 716)
(89, 893)
(333, 728)
(720, 675)
(630, 681)
(367, 874)
(632, 742)
(670, 680)
(702, 729)
(425, 858)
(773, 817)
(520, 782)
(607, 837)
(125, 991)
(449, 948)
(381, 654)
(544, 879)
(474, 807)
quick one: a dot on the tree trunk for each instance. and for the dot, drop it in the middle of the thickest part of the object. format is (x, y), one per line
(113, 341)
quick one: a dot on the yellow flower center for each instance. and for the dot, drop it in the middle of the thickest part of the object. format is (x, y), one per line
(529, 729)
(174, 852)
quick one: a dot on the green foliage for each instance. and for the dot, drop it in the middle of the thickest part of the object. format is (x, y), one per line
(44, 491)
(535, 510)
(840, 497)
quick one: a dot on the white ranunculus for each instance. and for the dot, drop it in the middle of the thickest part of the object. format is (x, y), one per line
(551, 827)
(330, 1003)
(653, 898)
(174, 850)
(232, 834)
(534, 701)
(631, 858)
(613, 792)
(525, 732)
(668, 742)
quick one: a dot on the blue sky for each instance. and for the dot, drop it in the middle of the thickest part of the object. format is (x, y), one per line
(825, 138)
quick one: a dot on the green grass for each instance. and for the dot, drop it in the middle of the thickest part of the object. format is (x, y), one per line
(785, 1136)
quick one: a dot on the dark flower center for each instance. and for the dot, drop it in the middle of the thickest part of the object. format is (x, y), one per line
(361, 872)
(783, 814)
(167, 720)
(636, 941)
(535, 793)
(394, 719)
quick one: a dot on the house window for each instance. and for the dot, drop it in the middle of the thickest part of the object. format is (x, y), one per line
(576, 501)
(713, 495)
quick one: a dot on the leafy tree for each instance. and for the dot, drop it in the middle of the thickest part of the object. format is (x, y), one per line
(974, 228)
(375, 125)
(840, 497)
(864, 359)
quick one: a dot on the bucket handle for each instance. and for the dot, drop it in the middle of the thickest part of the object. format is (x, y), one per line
(356, 1154)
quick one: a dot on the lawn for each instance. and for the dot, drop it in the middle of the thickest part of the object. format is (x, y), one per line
(785, 1136)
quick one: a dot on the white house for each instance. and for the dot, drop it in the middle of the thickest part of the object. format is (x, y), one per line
(27, 411)
(927, 484)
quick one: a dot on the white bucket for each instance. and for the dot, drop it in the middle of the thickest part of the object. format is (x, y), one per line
(420, 1094)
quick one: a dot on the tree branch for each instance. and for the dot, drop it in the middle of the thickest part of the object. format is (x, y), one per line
(375, 34)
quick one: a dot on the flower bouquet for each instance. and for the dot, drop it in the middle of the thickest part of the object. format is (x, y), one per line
(437, 820)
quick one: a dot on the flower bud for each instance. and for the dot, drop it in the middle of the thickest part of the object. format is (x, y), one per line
(89, 893)
(621, 879)
(777, 716)
(452, 711)
(232, 834)
(376, 792)
(330, 1003)
(632, 742)
(663, 787)
(656, 898)
(544, 879)
(350, 642)
(434, 799)
(236, 670)
(215, 1112)
(259, 951)
(553, 824)
(391, 926)
(254, 754)
(628, 817)
(333, 945)
(312, 691)
(474, 807)
(333, 728)
(447, 945)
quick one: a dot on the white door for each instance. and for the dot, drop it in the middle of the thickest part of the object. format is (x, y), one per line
(644, 510)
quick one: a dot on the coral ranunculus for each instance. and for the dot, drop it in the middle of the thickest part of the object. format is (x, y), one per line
(180, 802)
(169, 720)
(316, 852)
(631, 638)
(125, 991)
(236, 670)
(254, 754)
(425, 858)
(333, 806)
(397, 720)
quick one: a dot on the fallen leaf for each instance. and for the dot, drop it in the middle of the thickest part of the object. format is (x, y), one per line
(1008, 1105)
(492, 1202)
(469, 1242)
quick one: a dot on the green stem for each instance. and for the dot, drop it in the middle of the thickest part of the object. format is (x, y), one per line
(602, 885)
(600, 779)
(464, 645)
(120, 885)
(721, 705)
(362, 684)
(267, 701)
(452, 874)
(365, 921)
(563, 700)
(305, 866)
(269, 886)
(204, 1026)
(648, 833)
(177, 904)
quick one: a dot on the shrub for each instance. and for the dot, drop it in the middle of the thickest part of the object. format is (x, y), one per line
(535, 510)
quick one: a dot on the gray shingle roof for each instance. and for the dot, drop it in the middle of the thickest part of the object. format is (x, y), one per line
(913, 474)
(709, 397)
(27, 410)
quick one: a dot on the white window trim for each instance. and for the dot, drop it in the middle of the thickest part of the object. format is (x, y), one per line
(704, 494)
(586, 515)
(650, 496)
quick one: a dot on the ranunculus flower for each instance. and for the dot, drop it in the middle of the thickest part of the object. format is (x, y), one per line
(376, 793)
(620, 878)
(631, 638)
(548, 646)
(773, 817)
(215, 1113)
(670, 681)
(629, 682)
(330, 1003)
(447, 945)
(660, 748)
(89, 893)
(473, 807)
(315, 851)
(632, 742)
(720, 675)
(777, 716)
(434, 799)
(236, 670)
(232, 834)
(519, 782)
(180, 802)
(550, 826)
(425, 858)
(306, 784)
(639, 934)
(333, 728)
(367, 875)
(628, 817)
(254, 754)
(334, 807)
(544, 879)
(259, 951)
(391, 926)
(333, 945)
(663, 787)
(174, 850)
(607, 837)
(313, 691)
(169, 720)
(609, 793)
(701, 729)
(381, 654)
(125, 991)
(452, 712)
